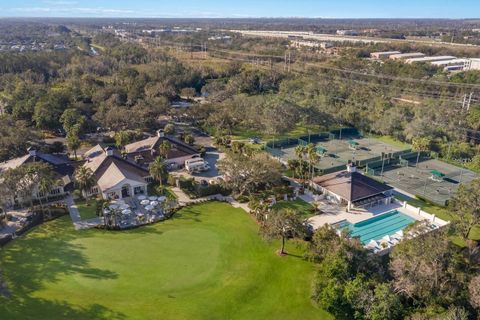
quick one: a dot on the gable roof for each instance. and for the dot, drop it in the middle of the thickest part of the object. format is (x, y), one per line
(115, 175)
(94, 151)
(153, 143)
(351, 186)
(112, 170)
(61, 165)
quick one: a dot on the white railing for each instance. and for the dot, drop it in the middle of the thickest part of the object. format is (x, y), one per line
(431, 217)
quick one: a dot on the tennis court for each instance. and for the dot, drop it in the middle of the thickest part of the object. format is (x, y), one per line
(432, 179)
(337, 152)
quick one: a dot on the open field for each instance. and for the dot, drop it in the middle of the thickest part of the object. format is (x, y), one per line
(208, 262)
(417, 180)
(301, 206)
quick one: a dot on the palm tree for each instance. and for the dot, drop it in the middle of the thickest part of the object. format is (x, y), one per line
(300, 153)
(312, 158)
(164, 149)
(158, 170)
(73, 142)
(85, 180)
(44, 186)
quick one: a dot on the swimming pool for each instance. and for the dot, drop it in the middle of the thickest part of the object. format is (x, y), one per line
(377, 227)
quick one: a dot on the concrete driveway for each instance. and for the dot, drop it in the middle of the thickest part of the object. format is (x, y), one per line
(211, 157)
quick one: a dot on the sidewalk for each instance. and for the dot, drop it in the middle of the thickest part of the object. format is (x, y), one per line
(183, 199)
(77, 219)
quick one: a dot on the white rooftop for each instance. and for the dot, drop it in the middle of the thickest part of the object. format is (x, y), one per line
(447, 62)
(430, 59)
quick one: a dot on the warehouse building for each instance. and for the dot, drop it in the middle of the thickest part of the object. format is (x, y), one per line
(403, 56)
(430, 59)
(383, 54)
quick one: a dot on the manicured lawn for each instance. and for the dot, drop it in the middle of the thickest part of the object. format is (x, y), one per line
(87, 210)
(391, 140)
(299, 205)
(208, 262)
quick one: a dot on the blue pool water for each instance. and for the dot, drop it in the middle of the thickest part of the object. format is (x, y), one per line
(377, 227)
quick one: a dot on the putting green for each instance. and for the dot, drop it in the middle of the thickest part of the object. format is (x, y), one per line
(206, 263)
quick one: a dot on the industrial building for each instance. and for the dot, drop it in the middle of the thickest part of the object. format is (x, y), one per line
(430, 59)
(403, 56)
(383, 55)
(472, 64)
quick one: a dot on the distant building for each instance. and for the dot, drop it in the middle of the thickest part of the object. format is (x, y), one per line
(383, 54)
(472, 64)
(326, 45)
(403, 56)
(430, 59)
(347, 32)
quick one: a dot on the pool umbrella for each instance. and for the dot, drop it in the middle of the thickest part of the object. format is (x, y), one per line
(149, 207)
(141, 197)
(113, 206)
(124, 206)
(154, 203)
(162, 198)
(144, 202)
(152, 198)
(127, 211)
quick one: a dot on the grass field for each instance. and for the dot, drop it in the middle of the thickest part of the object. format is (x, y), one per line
(298, 204)
(87, 210)
(208, 262)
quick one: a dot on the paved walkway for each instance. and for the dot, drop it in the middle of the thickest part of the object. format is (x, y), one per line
(183, 199)
(77, 219)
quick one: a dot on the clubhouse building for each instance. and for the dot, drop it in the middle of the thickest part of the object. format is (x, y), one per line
(116, 176)
(353, 189)
(145, 151)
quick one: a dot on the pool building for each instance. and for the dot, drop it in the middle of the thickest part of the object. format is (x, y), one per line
(367, 209)
(353, 190)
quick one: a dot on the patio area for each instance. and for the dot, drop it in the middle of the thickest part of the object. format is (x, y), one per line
(136, 211)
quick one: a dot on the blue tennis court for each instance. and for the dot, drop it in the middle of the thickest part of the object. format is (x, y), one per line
(377, 227)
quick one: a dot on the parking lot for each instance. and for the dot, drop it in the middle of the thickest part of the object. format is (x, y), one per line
(211, 157)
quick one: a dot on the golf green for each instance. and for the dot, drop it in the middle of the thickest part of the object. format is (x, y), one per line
(208, 262)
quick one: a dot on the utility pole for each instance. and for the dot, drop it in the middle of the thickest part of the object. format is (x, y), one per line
(469, 101)
(289, 60)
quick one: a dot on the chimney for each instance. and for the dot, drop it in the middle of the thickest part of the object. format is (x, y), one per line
(351, 167)
(160, 133)
(109, 151)
(32, 151)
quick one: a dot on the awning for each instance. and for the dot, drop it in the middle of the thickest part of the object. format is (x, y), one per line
(353, 143)
(321, 150)
(437, 174)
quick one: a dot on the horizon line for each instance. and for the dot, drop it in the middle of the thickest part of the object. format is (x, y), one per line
(236, 17)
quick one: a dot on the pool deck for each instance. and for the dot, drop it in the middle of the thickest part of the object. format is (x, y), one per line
(333, 214)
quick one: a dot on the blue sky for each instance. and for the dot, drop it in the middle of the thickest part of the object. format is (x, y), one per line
(243, 8)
